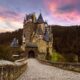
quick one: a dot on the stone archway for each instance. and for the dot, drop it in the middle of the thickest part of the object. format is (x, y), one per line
(31, 54)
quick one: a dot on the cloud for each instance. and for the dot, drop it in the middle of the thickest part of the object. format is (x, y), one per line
(9, 26)
(64, 10)
(5, 30)
(10, 20)
(10, 14)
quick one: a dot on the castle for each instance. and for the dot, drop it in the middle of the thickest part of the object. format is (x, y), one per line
(37, 36)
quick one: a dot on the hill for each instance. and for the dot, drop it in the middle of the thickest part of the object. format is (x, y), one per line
(7, 37)
(66, 40)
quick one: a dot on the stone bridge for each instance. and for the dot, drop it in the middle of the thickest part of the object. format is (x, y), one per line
(38, 71)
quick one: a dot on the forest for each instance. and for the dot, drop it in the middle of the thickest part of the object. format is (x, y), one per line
(7, 37)
(66, 40)
(6, 52)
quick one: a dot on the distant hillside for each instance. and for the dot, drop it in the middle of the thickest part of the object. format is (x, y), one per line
(66, 40)
(7, 37)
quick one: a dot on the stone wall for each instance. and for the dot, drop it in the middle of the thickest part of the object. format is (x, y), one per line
(67, 66)
(9, 72)
(28, 31)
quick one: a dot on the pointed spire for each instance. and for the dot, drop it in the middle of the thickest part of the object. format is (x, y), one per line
(14, 43)
(46, 35)
(40, 19)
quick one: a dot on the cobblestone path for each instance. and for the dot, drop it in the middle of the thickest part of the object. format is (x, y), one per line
(38, 71)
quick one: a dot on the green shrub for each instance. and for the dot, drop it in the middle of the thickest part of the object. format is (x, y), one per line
(56, 57)
(5, 52)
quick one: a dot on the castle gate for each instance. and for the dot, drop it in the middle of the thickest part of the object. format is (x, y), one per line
(31, 50)
(31, 54)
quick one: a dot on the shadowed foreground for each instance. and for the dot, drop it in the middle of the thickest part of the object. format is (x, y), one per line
(38, 71)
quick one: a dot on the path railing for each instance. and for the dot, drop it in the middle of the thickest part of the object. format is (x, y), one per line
(12, 72)
(63, 65)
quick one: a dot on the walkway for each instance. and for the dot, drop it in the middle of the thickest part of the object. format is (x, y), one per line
(38, 71)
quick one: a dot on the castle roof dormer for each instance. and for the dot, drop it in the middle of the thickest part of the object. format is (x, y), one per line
(40, 19)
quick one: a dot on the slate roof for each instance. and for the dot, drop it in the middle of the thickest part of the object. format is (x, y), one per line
(40, 19)
(46, 36)
(14, 43)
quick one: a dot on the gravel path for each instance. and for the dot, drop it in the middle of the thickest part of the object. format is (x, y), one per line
(38, 71)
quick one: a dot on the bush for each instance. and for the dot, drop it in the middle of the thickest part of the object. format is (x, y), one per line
(56, 57)
(5, 52)
(66, 41)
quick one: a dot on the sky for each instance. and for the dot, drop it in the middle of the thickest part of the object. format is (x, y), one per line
(56, 12)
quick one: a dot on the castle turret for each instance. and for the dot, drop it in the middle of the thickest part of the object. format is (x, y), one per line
(37, 36)
(40, 19)
(33, 18)
(40, 25)
(30, 18)
(14, 43)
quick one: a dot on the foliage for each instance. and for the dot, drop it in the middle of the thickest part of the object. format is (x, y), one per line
(5, 52)
(7, 37)
(57, 57)
(66, 40)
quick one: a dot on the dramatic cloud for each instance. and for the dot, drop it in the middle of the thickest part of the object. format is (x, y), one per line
(65, 10)
(5, 13)
(10, 20)
(62, 12)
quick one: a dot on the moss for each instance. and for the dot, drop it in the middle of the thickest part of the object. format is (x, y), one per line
(56, 57)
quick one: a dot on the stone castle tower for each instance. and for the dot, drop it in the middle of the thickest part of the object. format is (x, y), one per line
(36, 34)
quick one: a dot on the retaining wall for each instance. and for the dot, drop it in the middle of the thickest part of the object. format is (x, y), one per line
(63, 65)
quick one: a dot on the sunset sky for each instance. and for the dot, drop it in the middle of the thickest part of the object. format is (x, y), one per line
(56, 12)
